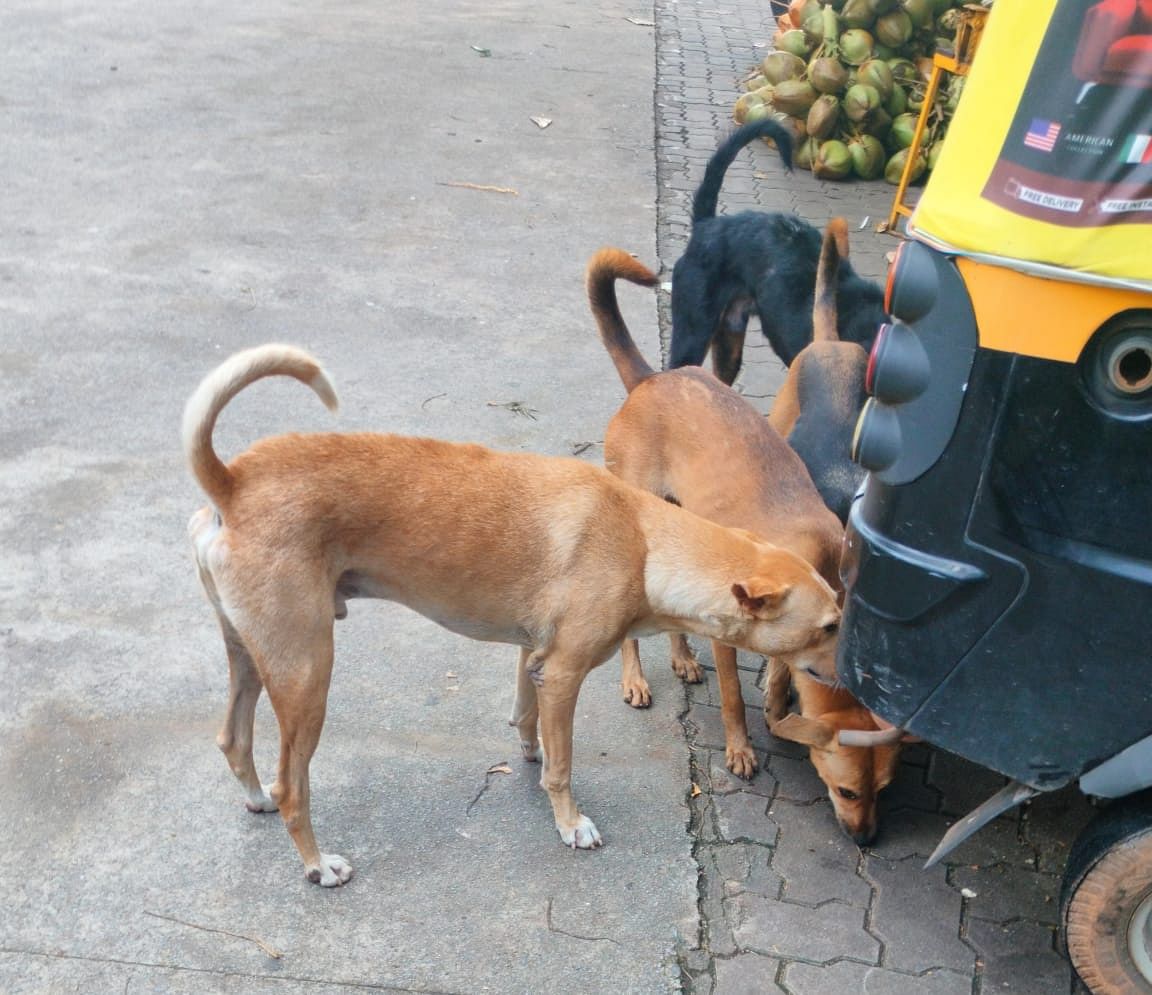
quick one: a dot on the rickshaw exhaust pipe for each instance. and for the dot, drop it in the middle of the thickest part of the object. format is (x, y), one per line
(1129, 365)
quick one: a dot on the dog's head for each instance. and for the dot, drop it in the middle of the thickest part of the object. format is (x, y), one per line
(853, 775)
(785, 607)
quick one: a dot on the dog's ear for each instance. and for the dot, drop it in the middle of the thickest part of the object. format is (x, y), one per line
(759, 594)
(810, 732)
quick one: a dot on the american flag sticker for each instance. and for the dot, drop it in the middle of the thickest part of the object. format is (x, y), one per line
(1042, 134)
(1137, 149)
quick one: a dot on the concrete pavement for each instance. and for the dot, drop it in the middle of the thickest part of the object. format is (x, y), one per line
(183, 180)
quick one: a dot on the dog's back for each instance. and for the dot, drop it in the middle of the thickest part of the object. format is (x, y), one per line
(817, 408)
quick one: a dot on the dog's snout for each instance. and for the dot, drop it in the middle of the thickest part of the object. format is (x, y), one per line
(865, 836)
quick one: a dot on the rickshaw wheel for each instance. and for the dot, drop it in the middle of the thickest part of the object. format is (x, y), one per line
(1106, 900)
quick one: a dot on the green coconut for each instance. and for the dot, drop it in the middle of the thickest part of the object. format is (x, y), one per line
(895, 167)
(833, 161)
(884, 52)
(877, 123)
(755, 82)
(860, 101)
(856, 46)
(779, 66)
(897, 102)
(755, 112)
(812, 23)
(828, 75)
(903, 130)
(823, 116)
(805, 152)
(893, 29)
(868, 156)
(955, 89)
(934, 151)
(879, 7)
(875, 72)
(795, 42)
(857, 14)
(794, 96)
(921, 12)
(743, 102)
(903, 70)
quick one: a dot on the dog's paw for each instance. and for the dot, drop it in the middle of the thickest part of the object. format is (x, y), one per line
(687, 669)
(531, 753)
(773, 713)
(262, 802)
(741, 760)
(333, 871)
(582, 836)
(637, 693)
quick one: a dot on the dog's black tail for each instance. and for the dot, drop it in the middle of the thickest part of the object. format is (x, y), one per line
(708, 193)
(604, 269)
(832, 250)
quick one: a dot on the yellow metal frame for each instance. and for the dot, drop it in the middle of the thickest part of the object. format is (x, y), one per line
(967, 39)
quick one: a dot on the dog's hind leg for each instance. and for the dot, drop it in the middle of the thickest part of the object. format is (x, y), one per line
(559, 686)
(235, 737)
(526, 710)
(739, 756)
(728, 341)
(295, 659)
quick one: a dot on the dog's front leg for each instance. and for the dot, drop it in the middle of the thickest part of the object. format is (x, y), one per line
(557, 696)
(776, 692)
(526, 709)
(637, 693)
(738, 753)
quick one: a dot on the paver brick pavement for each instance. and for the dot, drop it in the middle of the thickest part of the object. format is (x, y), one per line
(834, 920)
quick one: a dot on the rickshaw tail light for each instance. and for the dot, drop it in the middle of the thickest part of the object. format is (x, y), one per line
(877, 440)
(898, 368)
(913, 283)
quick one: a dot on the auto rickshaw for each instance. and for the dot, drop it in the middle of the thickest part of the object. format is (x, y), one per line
(998, 559)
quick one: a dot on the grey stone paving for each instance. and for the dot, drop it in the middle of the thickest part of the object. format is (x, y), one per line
(787, 902)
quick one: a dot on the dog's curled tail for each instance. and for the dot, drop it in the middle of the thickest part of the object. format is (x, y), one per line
(223, 384)
(708, 193)
(833, 248)
(604, 269)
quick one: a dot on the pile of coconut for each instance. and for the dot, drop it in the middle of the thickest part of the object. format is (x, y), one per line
(848, 77)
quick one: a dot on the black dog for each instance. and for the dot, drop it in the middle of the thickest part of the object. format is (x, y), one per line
(767, 262)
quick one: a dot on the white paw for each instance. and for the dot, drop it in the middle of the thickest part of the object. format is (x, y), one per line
(582, 836)
(532, 753)
(261, 802)
(333, 871)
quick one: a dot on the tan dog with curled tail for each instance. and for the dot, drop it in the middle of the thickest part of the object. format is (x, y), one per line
(553, 555)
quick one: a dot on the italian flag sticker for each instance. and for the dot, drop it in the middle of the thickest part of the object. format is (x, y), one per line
(1137, 149)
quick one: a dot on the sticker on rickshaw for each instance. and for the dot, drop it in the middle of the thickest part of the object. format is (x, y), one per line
(1049, 158)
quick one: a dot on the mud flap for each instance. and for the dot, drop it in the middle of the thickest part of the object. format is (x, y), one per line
(1009, 796)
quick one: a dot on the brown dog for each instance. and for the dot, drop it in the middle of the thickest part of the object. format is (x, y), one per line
(690, 439)
(854, 775)
(553, 555)
(817, 410)
(818, 405)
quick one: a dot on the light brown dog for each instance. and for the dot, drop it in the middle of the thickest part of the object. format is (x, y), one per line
(553, 555)
(686, 437)
(853, 775)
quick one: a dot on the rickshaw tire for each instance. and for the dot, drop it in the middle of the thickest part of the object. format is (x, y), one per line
(1108, 878)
